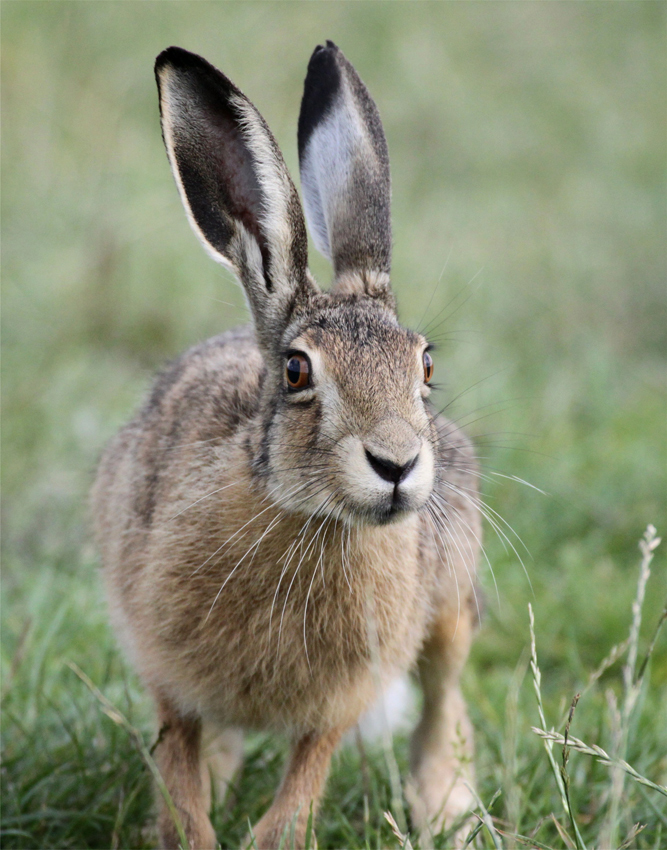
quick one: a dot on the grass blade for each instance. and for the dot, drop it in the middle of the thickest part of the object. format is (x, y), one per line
(537, 679)
(599, 754)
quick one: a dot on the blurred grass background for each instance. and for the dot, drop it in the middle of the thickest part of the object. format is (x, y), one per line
(528, 146)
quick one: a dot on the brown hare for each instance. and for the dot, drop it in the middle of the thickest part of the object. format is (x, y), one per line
(287, 525)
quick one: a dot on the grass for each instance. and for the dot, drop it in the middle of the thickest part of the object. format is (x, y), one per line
(528, 149)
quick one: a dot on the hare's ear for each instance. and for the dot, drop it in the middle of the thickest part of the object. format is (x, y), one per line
(344, 166)
(235, 187)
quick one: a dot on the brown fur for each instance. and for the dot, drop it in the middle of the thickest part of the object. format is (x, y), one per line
(257, 574)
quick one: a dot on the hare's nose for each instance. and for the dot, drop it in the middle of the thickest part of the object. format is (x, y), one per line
(388, 470)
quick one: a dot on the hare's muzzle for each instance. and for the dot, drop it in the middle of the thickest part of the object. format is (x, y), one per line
(382, 483)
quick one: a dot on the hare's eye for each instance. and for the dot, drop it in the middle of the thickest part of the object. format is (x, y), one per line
(428, 367)
(297, 372)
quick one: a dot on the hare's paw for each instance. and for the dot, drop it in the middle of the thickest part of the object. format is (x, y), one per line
(440, 798)
(198, 831)
(271, 833)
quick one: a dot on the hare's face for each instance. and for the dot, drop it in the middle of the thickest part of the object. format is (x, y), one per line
(352, 436)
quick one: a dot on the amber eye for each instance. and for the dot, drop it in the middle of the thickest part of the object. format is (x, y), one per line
(428, 367)
(297, 371)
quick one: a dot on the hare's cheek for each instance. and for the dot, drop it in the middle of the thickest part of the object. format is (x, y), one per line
(418, 485)
(358, 482)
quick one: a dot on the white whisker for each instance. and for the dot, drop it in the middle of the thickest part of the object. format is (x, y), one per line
(304, 554)
(486, 512)
(201, 499)
(318, 563)
(273, 522)
(229, 539)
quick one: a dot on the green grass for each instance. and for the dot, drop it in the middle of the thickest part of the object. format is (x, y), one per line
(528, 149)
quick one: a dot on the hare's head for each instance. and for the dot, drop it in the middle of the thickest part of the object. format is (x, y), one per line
(346, 430)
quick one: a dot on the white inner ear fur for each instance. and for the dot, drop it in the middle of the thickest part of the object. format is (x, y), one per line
(326, 168)
(276, 185)
(371, 280)
(173, 106)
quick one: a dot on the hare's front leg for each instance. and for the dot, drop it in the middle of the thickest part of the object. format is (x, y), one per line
(442, 745)
(179, 761)
(302, 785)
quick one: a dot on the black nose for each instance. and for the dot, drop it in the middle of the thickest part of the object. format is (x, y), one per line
(388, 470)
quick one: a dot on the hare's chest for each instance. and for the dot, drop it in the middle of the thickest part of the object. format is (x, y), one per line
(345, 632)
(303, 633)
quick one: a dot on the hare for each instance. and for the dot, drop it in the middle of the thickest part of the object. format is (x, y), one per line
(287, 525)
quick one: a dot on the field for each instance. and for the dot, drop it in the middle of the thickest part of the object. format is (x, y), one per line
(528, 148)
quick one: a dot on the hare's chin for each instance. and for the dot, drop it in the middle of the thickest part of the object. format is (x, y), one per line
(392, 510)
(394, 514)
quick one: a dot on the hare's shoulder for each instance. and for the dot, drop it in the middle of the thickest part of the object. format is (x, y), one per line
(197, 404)
(208, 392)
(452, 528)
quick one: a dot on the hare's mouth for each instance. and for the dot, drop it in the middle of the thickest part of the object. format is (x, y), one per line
(400, 505)
(393, 514)
(392, 508)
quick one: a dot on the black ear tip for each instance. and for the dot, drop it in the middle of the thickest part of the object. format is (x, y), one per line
(178, 57)
(319, 91)
(323, 61)
(168, 56)
(330, 47)
(162, 59)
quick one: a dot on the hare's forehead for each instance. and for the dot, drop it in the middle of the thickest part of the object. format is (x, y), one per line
(352, 340)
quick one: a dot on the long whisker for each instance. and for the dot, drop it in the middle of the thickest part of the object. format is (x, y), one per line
(342, 548)
(434, 527)
(448, 529)
(318, 563)
(288, 555)
(452, 300)
(435, 288)
(469, 389)
(202, 498)
(481, 505)
(486, 511)
(519, 481)
(238, 531)
(443, 508)
(304, 554)
(255, 545)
